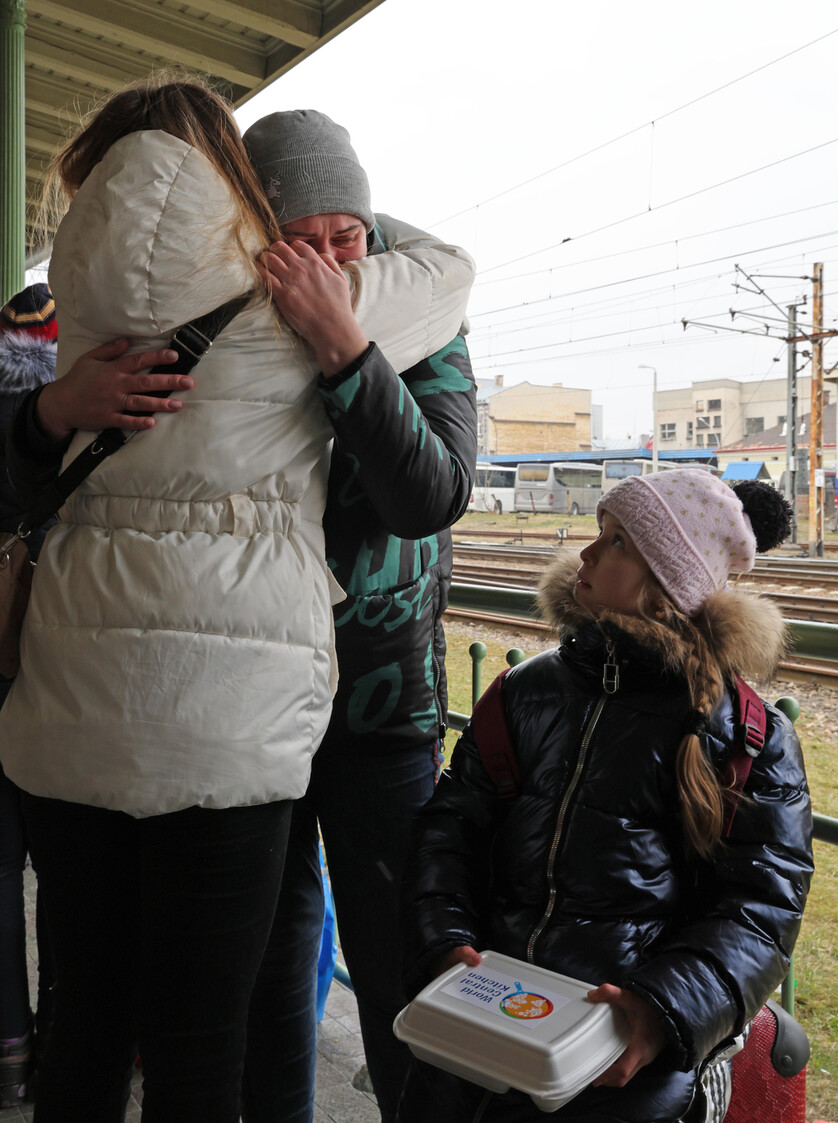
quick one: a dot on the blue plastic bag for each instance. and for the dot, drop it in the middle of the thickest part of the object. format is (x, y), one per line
(328, 944)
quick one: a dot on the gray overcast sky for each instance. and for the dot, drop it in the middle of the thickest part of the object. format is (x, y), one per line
(476, 125)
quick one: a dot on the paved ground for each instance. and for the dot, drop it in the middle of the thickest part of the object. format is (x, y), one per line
(340, 1054)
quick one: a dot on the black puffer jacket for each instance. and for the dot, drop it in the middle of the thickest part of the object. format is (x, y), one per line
(401, 473)
(585, 872)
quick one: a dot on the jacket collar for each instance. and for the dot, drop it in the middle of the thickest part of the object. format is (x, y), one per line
(748, 632)
(26, 361)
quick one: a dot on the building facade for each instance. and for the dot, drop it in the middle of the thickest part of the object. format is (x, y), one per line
(722, 412)
(528, 418)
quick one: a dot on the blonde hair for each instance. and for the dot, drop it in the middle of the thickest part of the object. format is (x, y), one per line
(701, 791)
(184, 107)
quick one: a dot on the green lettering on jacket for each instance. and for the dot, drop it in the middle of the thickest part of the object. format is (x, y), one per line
(387, 681)
(411, 607)
(448, 377)
(364, 580)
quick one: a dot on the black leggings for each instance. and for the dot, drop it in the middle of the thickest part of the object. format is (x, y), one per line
(158, 925)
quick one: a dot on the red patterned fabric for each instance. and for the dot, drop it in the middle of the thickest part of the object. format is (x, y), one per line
(760, 1093)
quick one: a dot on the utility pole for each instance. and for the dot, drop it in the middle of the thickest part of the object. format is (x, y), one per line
(815, 339)
(816, 479)
(791, 422)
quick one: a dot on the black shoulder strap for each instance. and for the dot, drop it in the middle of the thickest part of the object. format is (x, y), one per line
(191, 342)
(493, 741)
(750, 738)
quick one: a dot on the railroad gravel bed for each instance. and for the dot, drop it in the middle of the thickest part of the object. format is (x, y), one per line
(819, 704)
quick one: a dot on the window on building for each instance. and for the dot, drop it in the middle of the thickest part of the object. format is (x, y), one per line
(712, 440)
(714, 403)
(754, 425)
(781, 420)
(699, 407)
(717, 421)
(699, 440)
(668, 431)
(689, 430)
(702, 422)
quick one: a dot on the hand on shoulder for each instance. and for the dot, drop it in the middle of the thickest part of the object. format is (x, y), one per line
(102, 385)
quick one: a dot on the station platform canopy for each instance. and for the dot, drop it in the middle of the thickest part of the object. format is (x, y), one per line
(78, 52)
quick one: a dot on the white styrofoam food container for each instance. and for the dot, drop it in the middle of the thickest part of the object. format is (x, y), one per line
(507, 1024)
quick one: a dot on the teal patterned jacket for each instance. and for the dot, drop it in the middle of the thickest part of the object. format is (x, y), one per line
(401, 473)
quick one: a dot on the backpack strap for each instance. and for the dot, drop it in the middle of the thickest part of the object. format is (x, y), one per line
(494, 744)
(750, 738)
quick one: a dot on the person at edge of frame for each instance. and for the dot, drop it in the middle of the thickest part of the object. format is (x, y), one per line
(27, 359)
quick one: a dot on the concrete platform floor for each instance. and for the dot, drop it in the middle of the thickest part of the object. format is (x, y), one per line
(340, 1053)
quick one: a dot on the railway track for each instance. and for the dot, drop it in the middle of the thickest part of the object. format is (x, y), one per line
(806, 670)
(803, 590)
(549, 537)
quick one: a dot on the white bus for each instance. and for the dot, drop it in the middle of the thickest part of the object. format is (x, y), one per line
(615, 470)
(563, 488)
(494, 489)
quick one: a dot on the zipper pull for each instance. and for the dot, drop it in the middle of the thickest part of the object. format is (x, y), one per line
(610, 670)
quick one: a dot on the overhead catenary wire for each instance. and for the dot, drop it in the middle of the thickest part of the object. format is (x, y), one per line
(659, 206)
(639, 128)
(655, 273)
(623, 349)
(569, 316)
(673, 242)
(642, 324)
(715, 328)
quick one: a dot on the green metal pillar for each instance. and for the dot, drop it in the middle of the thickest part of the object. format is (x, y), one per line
(12, 149)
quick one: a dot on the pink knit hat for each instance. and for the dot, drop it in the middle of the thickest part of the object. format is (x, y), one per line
(690, 528)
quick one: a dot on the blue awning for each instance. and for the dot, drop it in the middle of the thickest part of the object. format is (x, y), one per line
(746, 470)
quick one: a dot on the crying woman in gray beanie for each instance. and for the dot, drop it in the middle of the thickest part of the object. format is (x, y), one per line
(400, 474)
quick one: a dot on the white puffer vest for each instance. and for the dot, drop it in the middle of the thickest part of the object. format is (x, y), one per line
(178, 646)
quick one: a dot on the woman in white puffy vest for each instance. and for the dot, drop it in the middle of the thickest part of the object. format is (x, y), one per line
(177, 657)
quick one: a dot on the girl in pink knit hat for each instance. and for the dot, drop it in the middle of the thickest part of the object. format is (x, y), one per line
(611, 851)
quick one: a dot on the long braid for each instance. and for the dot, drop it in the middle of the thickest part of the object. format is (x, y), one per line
(702, 806)
(699, 788)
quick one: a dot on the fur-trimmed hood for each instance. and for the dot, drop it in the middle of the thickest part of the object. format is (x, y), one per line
(748, 634)
(26, 361)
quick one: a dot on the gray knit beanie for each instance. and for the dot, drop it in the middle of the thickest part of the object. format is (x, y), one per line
(307, 166)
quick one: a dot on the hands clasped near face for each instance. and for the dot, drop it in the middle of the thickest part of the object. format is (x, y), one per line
(313, 296)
